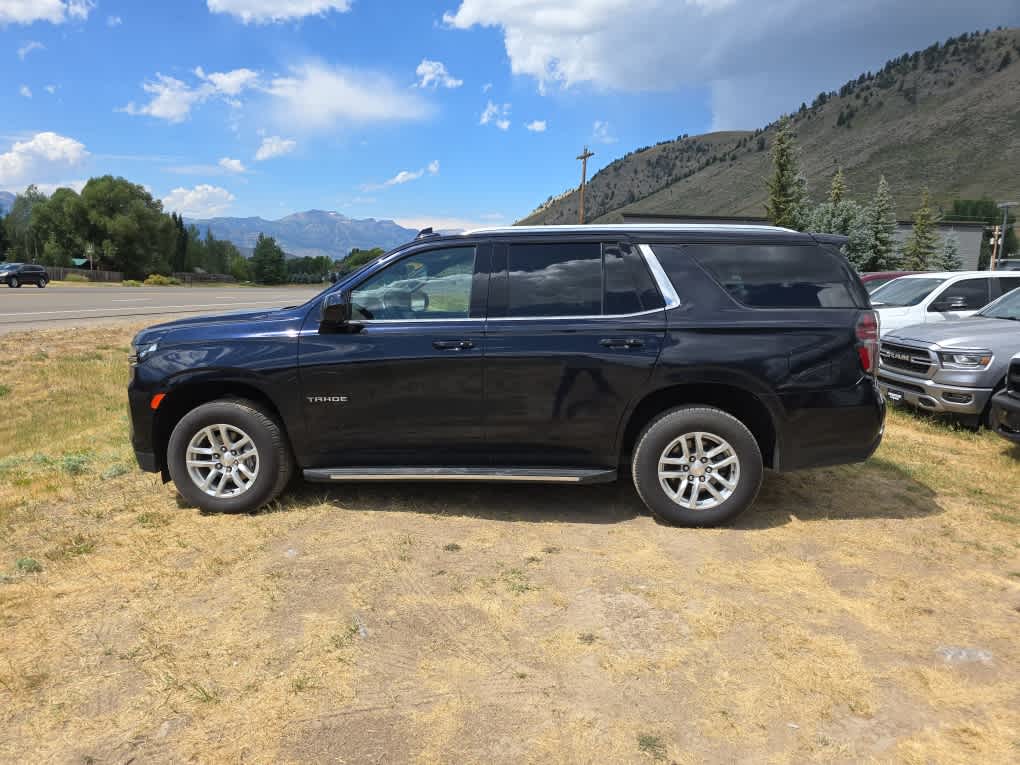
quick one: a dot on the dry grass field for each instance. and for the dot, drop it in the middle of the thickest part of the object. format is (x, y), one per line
(862, 613)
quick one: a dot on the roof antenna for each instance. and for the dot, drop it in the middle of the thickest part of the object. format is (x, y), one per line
(425, 232)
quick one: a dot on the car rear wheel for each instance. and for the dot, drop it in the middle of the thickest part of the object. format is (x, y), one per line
(697, 466)
(42, 282)
(229, 456)
(13, 282)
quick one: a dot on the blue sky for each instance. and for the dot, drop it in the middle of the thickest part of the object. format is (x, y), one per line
(452, 112)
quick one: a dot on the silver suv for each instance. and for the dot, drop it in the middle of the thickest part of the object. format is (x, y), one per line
(952, 367)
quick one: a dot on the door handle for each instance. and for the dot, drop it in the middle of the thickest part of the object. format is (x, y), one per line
(621, 342)
(452, 345)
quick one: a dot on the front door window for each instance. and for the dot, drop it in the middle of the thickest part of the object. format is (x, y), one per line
(430, 285)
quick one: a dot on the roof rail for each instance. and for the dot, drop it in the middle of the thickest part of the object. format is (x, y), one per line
(425, 233)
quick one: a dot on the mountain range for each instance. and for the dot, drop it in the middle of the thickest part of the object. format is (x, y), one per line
(946, 118)
(311, 233)
(6, 202)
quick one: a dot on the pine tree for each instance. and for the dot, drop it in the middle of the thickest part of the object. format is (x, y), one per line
(949, 258)
(881, 231)
(837, 190)
(785, 205)
(268, 263)
(919, 251)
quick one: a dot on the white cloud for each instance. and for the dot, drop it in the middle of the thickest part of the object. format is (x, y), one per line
(114, 21)
(404, 176)
(275, 11)
(53, 11)
(51, 89)
(41, 156)
(172, 99)
(49, 188)
(274, 146)
(80, 9)
(757, 58)
(601, 132)
(202, 201)
(28, 47)
(320, 97)
(486, 87)
(496, 114)
(229, 83)
(232, 165)
(25, 91)
(536, 126)
(433, 74)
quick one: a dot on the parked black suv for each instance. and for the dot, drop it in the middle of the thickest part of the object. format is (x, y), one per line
(16, 274)
(691, 356)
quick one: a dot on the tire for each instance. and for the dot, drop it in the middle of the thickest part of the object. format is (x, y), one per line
(676, 433)
(41, 284)
(239, 417)
(13, 282)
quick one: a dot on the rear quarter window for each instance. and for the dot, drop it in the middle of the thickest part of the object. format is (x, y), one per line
(776, 276)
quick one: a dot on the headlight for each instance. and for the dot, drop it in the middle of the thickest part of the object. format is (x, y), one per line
(965, 360)
(141, 353)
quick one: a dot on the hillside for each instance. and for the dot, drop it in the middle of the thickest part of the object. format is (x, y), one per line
(947, 117)
(311, 233)
(6, 202)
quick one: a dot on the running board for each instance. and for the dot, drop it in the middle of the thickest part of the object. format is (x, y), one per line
(534, 475)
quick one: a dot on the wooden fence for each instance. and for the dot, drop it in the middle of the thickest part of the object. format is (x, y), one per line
(59, 273)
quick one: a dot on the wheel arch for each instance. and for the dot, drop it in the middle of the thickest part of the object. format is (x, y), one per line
(739, 402)
(184, 397)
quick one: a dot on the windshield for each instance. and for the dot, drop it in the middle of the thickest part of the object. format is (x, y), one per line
(1006, 307)
(903, 292)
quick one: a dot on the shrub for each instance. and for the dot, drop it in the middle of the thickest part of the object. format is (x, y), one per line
(158, 280)
(28, 565)
(131, 283)
(75, 278)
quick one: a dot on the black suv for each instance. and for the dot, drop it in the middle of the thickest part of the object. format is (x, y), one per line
(689, 356)
(16, 274)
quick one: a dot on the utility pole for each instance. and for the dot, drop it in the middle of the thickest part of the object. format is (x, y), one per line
(584, 156)
(995, 246)
(1001, 249)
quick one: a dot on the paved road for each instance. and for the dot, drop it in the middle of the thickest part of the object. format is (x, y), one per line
(59, 305)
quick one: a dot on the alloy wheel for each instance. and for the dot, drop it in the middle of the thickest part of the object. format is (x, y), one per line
(699, 471)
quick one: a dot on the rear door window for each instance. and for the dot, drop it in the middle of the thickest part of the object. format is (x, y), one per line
(629, 285)
(777, 276)
(554, 279)
(1008, 284)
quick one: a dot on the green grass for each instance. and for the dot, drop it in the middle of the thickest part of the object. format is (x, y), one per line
(653, 746)
(28, 565)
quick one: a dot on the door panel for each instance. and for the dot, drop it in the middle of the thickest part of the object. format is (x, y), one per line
(405, 388)
(556, 389)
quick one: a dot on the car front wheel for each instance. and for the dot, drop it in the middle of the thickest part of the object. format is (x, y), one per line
(229, 456)
(13, 282)
(697, 466)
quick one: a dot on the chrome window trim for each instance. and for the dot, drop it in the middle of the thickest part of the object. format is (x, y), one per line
(659, 274)
(520, 318)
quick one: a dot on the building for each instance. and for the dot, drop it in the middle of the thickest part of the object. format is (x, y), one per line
(967, 234)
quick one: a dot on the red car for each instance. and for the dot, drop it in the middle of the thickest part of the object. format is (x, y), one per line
(875, 279)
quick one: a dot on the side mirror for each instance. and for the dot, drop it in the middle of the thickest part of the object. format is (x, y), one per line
(951, 303)
(335, 310)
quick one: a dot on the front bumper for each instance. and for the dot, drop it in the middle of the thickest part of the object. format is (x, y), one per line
(1006, 416)
(932, 396)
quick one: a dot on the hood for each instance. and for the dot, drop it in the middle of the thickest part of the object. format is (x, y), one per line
(264, 320)
(976, 332)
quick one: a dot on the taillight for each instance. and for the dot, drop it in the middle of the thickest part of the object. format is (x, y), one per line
(867, 340)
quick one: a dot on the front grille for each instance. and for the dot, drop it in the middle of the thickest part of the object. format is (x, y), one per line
(905, 358)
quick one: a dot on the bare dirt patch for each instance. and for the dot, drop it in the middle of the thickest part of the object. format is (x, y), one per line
(858, 613)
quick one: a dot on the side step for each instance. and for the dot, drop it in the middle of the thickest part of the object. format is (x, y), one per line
(534, 475)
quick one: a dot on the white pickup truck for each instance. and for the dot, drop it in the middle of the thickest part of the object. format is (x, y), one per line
(939, 296)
